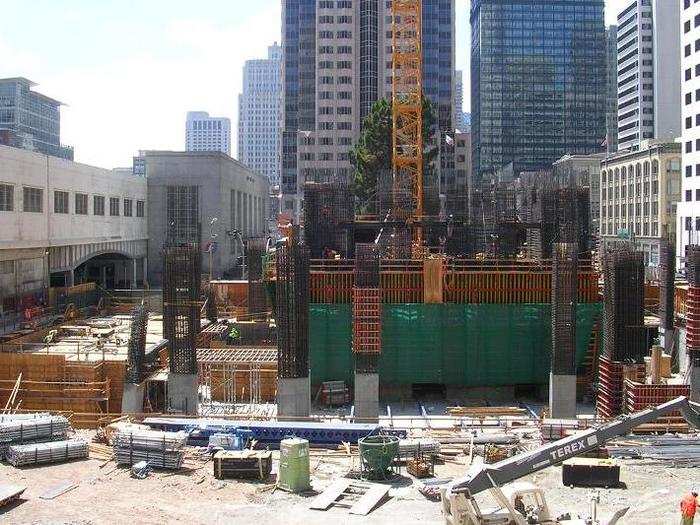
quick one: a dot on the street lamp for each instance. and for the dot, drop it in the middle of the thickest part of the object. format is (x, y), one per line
(212, 245)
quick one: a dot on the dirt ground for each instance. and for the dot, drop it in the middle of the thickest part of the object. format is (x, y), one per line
(106, 494)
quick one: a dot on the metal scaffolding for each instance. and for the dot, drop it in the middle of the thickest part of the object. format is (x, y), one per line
(407, 114)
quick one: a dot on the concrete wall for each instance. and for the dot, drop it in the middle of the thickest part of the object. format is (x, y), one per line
(218, 178)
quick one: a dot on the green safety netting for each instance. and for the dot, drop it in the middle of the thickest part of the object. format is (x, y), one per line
(453, 344)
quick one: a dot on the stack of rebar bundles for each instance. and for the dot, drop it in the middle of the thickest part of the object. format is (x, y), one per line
(674, 450)
(163, 450)
(38, 438)
(51, 452)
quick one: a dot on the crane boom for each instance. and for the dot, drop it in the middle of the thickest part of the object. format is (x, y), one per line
(484, 477)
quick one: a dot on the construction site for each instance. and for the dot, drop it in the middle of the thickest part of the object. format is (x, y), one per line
(487, 362)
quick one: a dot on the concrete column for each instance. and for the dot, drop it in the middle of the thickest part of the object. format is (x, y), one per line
(562, 396)
(70, 278)
(145, 270)
(366, 396)
(293, 397)
(667, 336)
(132, 398)
(183, 394)
(133, 273)
(103, 276)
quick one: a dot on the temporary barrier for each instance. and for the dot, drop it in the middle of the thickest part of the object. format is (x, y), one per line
(452, 344)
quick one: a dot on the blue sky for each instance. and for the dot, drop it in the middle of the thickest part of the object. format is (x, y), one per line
(129, 70)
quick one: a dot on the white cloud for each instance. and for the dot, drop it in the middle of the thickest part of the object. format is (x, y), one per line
(126, 103)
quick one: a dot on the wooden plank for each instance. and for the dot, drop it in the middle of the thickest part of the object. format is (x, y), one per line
(56, 490)
(9, 493)
(369, 499)
(328, 496)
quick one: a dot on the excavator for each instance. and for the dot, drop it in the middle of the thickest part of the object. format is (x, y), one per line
(523, 503)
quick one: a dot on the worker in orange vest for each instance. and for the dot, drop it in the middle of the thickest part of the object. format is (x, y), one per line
(689, 505)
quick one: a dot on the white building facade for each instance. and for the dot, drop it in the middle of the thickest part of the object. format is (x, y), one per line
(648, 62)
(688, 221)
(639, 194)
(260, 113)
(63, 223)
(205, 133)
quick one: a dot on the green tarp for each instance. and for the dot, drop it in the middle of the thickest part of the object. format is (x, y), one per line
(452, 344)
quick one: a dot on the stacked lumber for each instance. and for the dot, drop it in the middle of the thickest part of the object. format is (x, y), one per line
(160, 449)
(484, 412)
(52, 452)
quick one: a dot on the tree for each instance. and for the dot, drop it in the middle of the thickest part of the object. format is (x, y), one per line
(372, 153)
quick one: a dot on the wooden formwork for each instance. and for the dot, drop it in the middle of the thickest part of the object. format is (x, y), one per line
(639, 396)
(450, 281)
(61, 384)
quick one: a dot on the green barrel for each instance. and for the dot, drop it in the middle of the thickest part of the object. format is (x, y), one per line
(377, 455)
(294, 465)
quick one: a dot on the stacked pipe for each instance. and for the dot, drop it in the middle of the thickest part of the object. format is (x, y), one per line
(51, 452)
(692, 320)
(164, 450)
(137, 345)
(21, 430)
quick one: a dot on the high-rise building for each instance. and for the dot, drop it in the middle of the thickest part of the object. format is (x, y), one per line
(538, 82)
(30, 120)
(688, 219)
(336, 65)
(205, 133)
(259, 114)
(611, 105)
(648, 65)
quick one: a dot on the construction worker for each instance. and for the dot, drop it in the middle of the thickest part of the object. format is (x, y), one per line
(689, 505)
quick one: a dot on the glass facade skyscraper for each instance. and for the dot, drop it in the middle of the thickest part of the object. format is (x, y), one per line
(538, 82)
(30, 120)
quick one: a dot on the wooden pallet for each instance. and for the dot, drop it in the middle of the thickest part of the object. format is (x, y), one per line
(359, 497)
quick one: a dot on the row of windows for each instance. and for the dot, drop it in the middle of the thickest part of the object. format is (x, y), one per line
(610, 229)
(33, 202)
(639, 211)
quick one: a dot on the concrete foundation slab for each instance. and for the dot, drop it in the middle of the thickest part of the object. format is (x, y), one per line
(293, 396)
(562, 396)
(366, 396)
(132, 398)
(182, 393)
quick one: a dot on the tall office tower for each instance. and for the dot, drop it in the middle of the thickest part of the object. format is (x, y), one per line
(30, 120)
(205, 133)
(259, 113)
(688, 214)
(459, 101)
(537, 82)
(648, 65)
(336, 65)
(611, 104)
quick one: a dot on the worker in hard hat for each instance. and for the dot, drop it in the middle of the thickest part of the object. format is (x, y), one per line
(689, 505)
